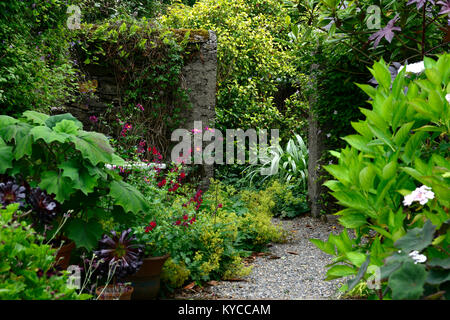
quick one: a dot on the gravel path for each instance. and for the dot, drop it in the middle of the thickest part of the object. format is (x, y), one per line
(288, 271)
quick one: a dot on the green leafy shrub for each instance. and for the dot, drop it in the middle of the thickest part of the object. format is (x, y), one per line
(207, 234)
(147, 60)
(35, 67)
(94, 11)
(57, 155)
(288, 164)
(402, 142)
(27, 266)
(255, 73)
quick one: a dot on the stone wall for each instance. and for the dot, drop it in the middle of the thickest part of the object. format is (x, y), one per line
(199, 77)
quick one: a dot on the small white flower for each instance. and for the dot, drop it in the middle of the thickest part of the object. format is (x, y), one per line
(416, 68)
(335, 112)
(421, 195)
(328, 135)
(448, 97)
(418, 258)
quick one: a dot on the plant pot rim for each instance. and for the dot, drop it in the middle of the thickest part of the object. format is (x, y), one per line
(127, 290)
(166, 256)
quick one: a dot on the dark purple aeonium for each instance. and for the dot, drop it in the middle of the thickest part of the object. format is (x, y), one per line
(44, 206)
(11, 192)
(119, 251)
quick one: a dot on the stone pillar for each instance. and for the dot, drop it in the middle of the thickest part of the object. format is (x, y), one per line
(200, 79)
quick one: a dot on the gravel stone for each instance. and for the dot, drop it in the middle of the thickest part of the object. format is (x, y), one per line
(291, 276)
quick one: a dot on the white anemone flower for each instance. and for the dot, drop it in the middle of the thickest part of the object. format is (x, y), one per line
(417, 257)
(448, 97)
(421, 195)
(416, 68)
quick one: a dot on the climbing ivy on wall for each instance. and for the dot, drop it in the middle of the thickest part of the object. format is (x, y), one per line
(146, 61)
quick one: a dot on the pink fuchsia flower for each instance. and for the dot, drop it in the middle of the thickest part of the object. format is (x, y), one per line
(93, 119)
(421, 195)
(140, 107)
(219, 205)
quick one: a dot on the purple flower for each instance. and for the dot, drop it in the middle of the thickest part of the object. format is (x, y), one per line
(445, 7)
(93, 119)
(387, 32)
(140, 107)
(420, 3)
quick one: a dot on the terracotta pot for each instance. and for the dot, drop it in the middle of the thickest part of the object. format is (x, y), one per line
(146, 281)
(63, 255)
(114, 294)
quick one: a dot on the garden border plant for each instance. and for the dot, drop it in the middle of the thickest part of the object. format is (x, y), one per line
(57, 155)
(402, 142)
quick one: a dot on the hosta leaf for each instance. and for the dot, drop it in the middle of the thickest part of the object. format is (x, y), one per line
(53, 120)
(6, 157)
(19, 132)
(66, 126)
(6, 121)
(407, 282)
(36, 117)
(417, 238)
(47, 134)
(93, 146)
(84, 234)
(14, 131)
(80, 177)
(128, 197)
(54, 183)
(23, 145)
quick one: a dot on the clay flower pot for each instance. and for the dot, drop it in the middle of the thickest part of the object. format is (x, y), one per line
(63, 255)
(146, 281)
(114, 292)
